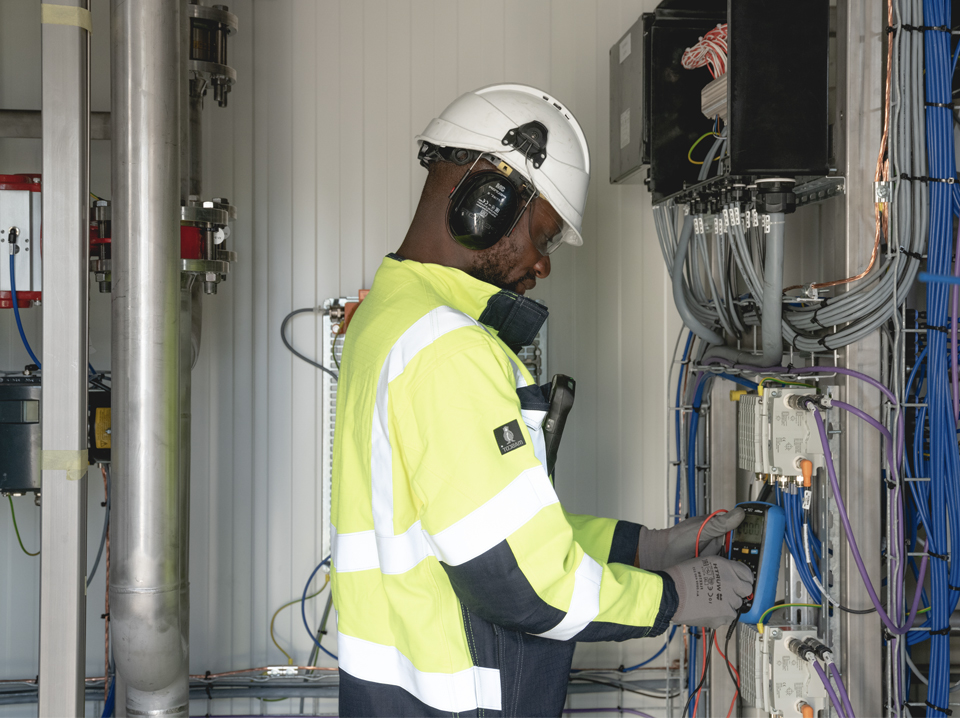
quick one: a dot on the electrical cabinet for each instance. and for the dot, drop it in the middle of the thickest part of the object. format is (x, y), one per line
(773, 95)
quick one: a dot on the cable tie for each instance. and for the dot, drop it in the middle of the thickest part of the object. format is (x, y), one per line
(945, 711)
(920, 28)
(822, 341)
(912, 255)
(942, 557)
(948, 106)
(935, 328)
(953, 588)
(891, 29)
(817, 321)
(941, 632)
(209, 693)
(924, 178)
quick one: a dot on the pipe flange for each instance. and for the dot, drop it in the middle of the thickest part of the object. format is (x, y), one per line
(205, 266)
(225, 18)
(214, 70)
(194, 216)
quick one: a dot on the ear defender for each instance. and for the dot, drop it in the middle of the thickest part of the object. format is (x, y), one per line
(483, 209)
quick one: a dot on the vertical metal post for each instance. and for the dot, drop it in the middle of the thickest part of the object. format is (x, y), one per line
(66, 111)
(150, 640)
(724, 493)
(860, 29)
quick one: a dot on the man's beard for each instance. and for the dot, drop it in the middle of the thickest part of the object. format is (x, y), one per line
(496, 265)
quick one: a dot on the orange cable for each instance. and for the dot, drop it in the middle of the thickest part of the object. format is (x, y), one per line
(696, 548)
(696, 552)
(703, 673)
(882, 173)
(732, 668)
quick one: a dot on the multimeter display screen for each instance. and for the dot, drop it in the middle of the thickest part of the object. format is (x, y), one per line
(751, 530)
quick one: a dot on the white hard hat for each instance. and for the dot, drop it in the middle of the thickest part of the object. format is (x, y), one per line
(482, 120)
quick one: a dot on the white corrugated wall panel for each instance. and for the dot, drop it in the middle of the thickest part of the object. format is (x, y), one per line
(316, 151)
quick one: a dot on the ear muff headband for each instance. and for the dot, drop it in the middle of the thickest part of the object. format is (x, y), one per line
(483, 209)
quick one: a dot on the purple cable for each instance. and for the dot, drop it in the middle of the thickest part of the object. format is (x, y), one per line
(838, 706)
(876, 425)
(631, 711)
(851, 539)
(841, 689)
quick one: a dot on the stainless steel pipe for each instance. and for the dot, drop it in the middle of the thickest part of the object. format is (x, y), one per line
(147, 580)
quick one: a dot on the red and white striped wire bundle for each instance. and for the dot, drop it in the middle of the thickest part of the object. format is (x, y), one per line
(711, 51)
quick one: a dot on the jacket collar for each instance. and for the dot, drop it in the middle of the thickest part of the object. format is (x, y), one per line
(515, 318)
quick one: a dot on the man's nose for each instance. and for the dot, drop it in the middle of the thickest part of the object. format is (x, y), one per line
(542, 268)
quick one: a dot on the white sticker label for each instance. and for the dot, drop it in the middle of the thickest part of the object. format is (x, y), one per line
(625, 47)
(625, 128)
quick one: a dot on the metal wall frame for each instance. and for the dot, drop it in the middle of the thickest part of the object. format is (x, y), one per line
(860, 31)
(63, 548)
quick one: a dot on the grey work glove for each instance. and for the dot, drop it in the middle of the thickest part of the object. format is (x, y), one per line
(710, 590)
(659, 548)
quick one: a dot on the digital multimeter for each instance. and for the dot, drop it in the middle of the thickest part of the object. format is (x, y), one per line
(758, 542)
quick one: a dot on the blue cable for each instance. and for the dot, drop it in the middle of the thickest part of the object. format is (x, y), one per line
(303, 608)
(942, 495)
(16, 313)
(654, 656)
(111, 697)
(676, 417)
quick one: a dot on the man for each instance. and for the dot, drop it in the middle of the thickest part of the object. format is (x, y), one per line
(461, 584)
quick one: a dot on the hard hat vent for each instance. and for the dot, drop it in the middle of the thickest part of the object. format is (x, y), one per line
(531, 140)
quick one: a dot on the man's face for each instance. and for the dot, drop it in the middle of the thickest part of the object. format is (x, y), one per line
(514, 263)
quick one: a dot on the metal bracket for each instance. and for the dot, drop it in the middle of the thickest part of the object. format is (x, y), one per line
(819, 189)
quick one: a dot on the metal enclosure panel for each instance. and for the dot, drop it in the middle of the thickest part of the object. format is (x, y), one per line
(628, 146)
(19, 437)
(21, 209)
(778, 113)
(65, 85)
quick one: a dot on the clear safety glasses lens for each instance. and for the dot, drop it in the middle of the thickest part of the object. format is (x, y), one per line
(544, 231)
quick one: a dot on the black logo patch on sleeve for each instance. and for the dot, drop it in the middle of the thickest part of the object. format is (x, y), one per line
(509, 437)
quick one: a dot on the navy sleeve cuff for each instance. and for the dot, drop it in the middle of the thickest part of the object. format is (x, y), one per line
(623, 548)
(668, 605)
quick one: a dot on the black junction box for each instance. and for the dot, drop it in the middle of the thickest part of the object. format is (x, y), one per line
(777, 91)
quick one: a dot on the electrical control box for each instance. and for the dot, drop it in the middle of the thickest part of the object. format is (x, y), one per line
(773, 436)
(20, 208)
(775, 116)
(19, 434)
(772, 678)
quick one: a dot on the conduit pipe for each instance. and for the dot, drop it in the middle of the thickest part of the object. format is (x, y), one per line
(147, 586)
(771, 309)
(679, 297)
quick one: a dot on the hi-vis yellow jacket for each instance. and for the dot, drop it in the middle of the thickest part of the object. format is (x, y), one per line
(460, 583)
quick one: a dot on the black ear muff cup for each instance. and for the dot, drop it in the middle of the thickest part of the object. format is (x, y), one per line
(482, 210)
